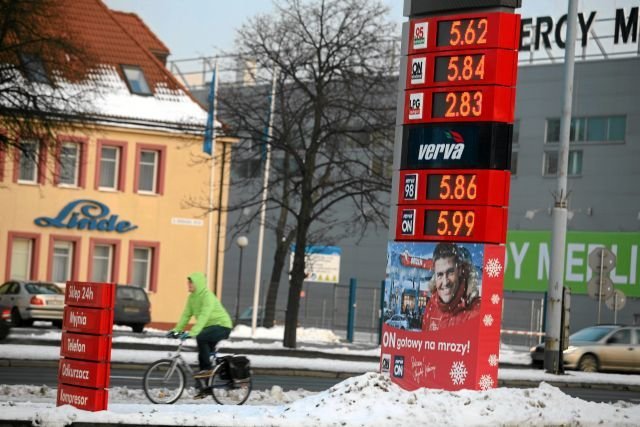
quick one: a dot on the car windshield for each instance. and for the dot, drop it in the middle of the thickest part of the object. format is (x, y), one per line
(131, 293)
(43, 288)
(591, 334)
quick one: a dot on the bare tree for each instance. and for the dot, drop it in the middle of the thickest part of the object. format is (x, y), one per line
(333, 120)
(40, 62)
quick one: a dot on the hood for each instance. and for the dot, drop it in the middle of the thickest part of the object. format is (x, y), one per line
(199, 281)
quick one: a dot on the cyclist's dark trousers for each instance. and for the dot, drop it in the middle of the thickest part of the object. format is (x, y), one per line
(207, 340)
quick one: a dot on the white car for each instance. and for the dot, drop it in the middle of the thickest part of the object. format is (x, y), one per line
(398, 321)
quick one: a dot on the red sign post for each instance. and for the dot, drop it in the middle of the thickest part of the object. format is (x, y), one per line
(85, 347)
(443, 293)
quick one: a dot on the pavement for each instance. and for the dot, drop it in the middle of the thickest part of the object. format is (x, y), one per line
(515, 375)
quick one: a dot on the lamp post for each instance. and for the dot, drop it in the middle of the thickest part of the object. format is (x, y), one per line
(241, 241)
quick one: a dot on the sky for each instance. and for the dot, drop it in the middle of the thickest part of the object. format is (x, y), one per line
(368, 398)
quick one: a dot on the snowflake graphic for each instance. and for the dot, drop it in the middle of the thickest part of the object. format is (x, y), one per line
(487, 320)
(458, 373)
(486, 382)
(493, 360)
(495, 299)
(493, 267)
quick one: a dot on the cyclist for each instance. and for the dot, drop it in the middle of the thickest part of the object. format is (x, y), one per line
(213, 323)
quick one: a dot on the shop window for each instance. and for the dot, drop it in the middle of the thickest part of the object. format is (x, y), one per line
(149, 177)
(551, 159)
(104, 258)
(64, 253)
(143, 265)
(111, 165)
(22, 259)
(136, 81)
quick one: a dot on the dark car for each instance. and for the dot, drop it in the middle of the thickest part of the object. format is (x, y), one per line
(5, 322)
(31, 300)
(132, 308)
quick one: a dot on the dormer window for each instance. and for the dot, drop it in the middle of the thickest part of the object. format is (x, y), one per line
(33, 68)
(135, 80)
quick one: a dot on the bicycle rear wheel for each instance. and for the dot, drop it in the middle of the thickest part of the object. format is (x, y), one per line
(227, 392)
(164, 382)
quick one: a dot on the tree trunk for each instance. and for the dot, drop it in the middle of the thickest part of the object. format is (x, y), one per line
(279, 260)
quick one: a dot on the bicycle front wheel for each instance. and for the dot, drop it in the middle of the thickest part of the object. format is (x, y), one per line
(227, 392)
(164, 381)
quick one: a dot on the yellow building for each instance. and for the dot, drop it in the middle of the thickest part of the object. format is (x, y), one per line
(123, 202)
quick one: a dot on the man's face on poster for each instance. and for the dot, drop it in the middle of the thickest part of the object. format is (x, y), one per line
(447, 282)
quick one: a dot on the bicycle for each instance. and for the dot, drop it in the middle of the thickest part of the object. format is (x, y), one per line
(164, 381)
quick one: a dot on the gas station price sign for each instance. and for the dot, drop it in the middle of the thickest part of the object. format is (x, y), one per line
(454, 187)
(491, 67)
(464, 223)
(469, 31)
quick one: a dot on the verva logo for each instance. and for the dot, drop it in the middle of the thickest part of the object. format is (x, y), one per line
(452, 149)
(420, 35)
(418, 67)
(398, 366)
(408, 222)
(410, 187)
(415, 106)
(386, 363)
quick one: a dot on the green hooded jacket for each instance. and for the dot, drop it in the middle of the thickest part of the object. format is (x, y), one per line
(204, 305)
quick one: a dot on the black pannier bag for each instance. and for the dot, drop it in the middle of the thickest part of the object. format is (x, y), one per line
(223, 371)
(239, 368)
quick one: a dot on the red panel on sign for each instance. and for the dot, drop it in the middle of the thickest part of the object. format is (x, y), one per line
(468, 31)
(491, 67)
(88, 320)
(461, 223)
(85, 374)
(86, 294)
(454, 187)
(82, 398)
(85, 347)
(460, 104)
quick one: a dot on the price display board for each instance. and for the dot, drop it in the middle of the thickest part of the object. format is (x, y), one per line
(493, 67)
(454, 187)
(463, 223)
(469, 31)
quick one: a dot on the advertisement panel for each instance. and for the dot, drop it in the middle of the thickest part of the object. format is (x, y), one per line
(321, 263)
(441, 313)
(528, 259)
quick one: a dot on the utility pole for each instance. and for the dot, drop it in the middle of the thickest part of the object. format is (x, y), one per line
(552, 350)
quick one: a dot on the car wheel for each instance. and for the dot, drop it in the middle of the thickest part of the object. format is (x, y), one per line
(16, 319)
(137, 327)
(588, 363)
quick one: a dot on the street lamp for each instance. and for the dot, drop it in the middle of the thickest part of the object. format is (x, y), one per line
(241, 241)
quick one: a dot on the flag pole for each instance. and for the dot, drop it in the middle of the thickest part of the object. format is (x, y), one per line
(263, 206)
(209, 148)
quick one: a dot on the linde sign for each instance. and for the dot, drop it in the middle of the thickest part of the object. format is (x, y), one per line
(84, 214)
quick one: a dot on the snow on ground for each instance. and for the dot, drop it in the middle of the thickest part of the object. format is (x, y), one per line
(369, 399)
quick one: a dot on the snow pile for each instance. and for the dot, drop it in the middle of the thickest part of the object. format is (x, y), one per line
(370, 399)
(277, 333)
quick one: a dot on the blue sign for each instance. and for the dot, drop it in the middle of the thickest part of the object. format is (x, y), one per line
(86, 215)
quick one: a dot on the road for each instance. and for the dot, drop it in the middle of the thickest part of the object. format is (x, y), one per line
(132, 378)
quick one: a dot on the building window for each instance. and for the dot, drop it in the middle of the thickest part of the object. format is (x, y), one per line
(104, 258)
(150, 162)
(514, 163)
(516, 131)
(109, 167)
(29, 161)
(62, 261)
(551, 159)
(111, 162)
(33, 68)
(23, 254)
(247, 168)
(143, 265)
(69, 164)
(136, 80)
(381, 166)
(590, 129)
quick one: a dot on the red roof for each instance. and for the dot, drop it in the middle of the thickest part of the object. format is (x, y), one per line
(111, 39)
(139, 30)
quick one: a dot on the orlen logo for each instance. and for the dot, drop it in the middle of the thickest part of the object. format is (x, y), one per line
(385, 365)
(420, 35)
(398, 366)
(415, 106)
(451, 149)
(418, 66)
